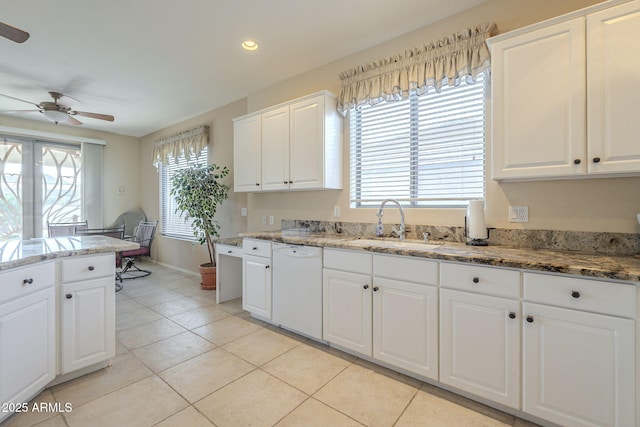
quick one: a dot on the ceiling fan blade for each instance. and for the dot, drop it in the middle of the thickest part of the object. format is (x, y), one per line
(65, 100)
(21, 100)
(18, 111)
(93, 115)
(72, 121)
(13, 33)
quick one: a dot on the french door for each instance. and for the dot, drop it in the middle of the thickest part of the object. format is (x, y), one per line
(40, 182)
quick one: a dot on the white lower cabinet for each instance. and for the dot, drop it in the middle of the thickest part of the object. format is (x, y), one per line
(579, 367)
(27, 333)
(256, 278)
(392, 320)
(88, 323)
(87, 310)
(347, 310)
(480, 345)
(405, 326)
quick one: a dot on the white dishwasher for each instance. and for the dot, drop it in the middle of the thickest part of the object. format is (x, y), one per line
(297, 288)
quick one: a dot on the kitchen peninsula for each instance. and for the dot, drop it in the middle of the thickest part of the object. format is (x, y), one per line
(57, 312)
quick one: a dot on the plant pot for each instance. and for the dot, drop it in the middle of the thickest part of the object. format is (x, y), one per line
(208, 276)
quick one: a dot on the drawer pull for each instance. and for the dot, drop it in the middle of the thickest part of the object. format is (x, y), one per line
(229, 252)
(476, 280)
(27, 281)
(365, 287)
(596, 160)
(577, 161)
(68, 296)
(91, 268)
(512, 315)
(575, 294)
(267, 266)
(255, 248)
(530, 319)
(257, 184)
(375, 289)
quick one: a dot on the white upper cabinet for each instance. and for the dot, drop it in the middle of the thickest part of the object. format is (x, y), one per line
(538, 103)
(246, 153)
(564, 97)
(275, 149)
(294, 146)
(613, 107)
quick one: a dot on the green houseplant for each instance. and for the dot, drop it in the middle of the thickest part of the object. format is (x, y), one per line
(198, 191)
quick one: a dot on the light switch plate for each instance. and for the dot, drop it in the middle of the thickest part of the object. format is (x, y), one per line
(518, 213)
(243, 211)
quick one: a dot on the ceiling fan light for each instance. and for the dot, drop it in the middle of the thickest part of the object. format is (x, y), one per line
(55, 116)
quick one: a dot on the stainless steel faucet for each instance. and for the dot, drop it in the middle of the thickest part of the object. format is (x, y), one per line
(401, 231)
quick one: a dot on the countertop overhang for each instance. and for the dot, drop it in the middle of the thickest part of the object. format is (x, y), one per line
(624, 268)
(17, 253)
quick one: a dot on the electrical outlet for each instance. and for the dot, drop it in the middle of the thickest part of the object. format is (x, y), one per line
(336, 211)
(243, 211)
(518, 213)
(264, 220)
(270, 219)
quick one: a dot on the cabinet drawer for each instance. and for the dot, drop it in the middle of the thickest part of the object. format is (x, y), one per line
(597, 296)
(256, 247)
(25, 280)
(229, 250)
(87, 267)
(354, 262)
(484, 280)
(406, 269)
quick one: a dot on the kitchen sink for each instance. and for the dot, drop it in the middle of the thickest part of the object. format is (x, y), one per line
(395, 243)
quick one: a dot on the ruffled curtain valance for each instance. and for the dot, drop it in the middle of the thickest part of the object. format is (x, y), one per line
(458, 56)
(189, 142)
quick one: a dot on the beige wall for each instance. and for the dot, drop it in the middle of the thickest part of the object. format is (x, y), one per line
(585, 205)
(121, 163)
(180, 253)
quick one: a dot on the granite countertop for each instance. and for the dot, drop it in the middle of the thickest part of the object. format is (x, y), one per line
(17, 253)
(230, 241)
(626, 268)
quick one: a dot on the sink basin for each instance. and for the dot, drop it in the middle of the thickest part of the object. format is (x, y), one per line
(395, 243)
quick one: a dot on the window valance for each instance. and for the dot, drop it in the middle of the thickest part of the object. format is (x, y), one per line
(189, 142)
(458, 56)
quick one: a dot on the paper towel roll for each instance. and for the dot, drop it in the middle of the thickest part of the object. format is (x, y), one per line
(476, 227)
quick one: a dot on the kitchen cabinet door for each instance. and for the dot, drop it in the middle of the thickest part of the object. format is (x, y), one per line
(275, 149)
(578, 367)
(88, 323)
(538, 103)
(307, 143)
(480, 345)
(405, 326)
(256, 286)
(613, 88)
(347, 310)
(27, 346)
(247, 153)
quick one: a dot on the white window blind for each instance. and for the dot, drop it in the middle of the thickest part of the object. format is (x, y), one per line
(174, 225)
(424, 151)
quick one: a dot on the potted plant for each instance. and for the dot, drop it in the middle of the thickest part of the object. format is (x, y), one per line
(198, 192)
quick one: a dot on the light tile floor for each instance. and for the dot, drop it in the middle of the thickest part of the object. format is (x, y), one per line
(183, 360)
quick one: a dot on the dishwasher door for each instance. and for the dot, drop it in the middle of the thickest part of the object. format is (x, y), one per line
(297, 288)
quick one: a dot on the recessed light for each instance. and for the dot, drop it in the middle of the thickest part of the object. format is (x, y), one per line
(249, 45)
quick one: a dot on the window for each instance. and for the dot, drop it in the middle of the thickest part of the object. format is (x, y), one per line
(40, 182)
(425, 151)
(174, 225)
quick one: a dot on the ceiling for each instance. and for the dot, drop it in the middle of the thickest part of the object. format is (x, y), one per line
(154, 63)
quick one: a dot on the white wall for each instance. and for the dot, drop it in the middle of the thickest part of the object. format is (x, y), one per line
(580, 205)
(181, 253)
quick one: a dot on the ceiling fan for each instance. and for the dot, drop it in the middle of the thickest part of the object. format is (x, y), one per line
(12, 33)
(59, 111)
